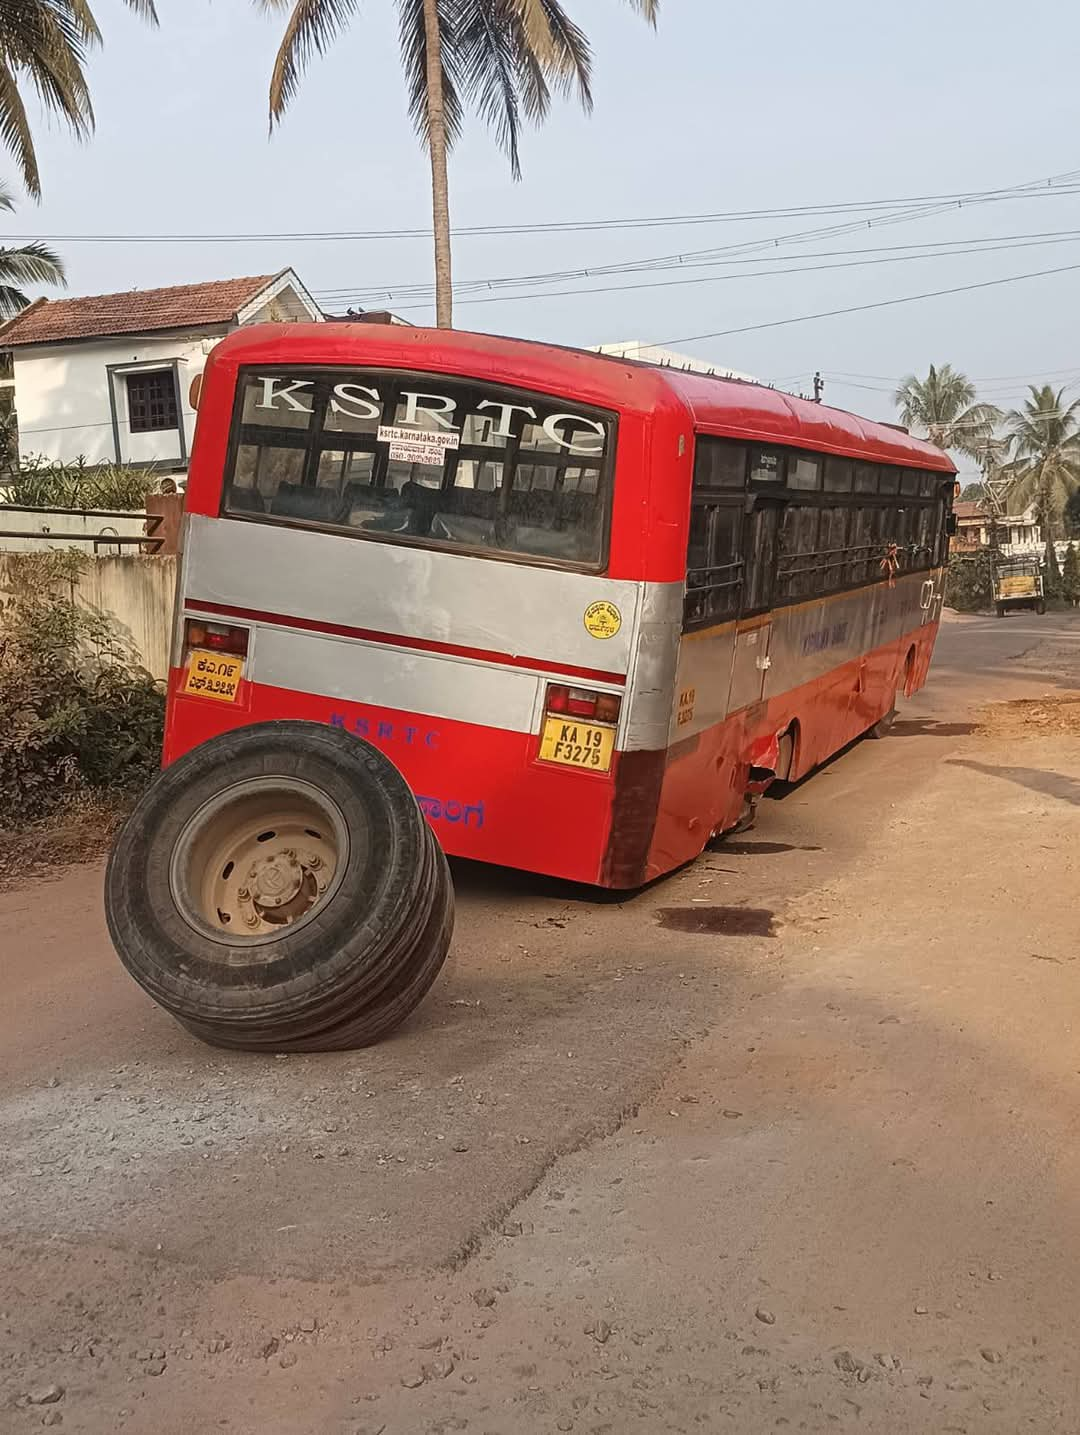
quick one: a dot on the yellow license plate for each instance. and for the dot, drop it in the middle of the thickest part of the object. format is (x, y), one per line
(214, 675)
(577, 744)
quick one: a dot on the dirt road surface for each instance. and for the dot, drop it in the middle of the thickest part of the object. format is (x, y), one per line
(788, 1140)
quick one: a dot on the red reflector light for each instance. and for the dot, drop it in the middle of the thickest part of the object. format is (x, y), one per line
(582, 703)
(218, 637)
(607, 707)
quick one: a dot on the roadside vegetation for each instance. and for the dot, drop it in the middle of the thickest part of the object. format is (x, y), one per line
(82, 720)
(968, 588)
(1031, 453)
(37, 482)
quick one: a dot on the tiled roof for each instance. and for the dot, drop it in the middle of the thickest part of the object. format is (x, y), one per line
(967, 509)
(136, 311)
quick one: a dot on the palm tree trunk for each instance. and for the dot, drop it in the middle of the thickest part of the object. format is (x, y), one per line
(440, 198)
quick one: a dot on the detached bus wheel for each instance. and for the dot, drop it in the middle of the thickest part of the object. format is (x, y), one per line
(279, 889)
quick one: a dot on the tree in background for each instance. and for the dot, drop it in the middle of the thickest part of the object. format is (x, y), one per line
(943, 408)
(29, 264)
(1070, 577)
(45, 43)
(973, 493)
(1072, 515)
(1051, 572)
(501, 57)
(1044, 437)
(969, 584)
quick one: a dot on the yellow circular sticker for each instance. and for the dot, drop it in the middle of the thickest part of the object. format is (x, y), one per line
(603, 619)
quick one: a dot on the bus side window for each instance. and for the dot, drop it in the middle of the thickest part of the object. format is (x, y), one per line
(798, 571)
(761, 544)
(839, 473)
(859, 565)
(719, 463)
(832, 548)
(924, 536)
(713, 566)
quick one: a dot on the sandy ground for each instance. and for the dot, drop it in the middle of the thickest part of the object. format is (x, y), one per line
(787, 1140)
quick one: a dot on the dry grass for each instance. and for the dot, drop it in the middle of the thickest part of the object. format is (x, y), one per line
(80, 830)
(1033, 717)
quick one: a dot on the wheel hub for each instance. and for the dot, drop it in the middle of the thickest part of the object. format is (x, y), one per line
(258, 858)
(276, 880)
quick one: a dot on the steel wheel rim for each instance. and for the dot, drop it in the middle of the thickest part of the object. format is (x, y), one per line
(259, 860)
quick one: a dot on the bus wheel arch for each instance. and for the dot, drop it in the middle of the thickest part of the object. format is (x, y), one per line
(787, 751)
(910, 665)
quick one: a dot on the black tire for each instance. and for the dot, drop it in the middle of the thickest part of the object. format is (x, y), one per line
(344, 974)
(1001, 610)
(1040, 608)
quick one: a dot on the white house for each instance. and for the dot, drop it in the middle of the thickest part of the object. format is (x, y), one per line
(1018, 534)
(109, 378)
(667, 359)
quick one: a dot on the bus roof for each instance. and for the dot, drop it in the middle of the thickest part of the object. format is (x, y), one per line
(731, 407)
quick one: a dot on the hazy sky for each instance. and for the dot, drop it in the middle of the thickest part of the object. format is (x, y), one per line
(726, 107)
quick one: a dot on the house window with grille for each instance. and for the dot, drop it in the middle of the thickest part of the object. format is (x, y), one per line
(152, 401)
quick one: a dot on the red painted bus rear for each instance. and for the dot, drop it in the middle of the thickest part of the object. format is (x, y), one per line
(588, 607)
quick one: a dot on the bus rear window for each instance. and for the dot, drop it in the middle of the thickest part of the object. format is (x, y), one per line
(418, 458)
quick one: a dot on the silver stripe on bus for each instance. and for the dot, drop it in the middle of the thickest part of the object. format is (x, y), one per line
(472, 602)
(801, 643)
(647, 705)
(430, 685)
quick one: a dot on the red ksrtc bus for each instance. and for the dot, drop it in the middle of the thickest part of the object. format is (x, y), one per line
(588, 607)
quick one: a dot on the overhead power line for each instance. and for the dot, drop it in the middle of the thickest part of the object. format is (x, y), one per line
(897, 216)
(396, 293)
(978, 382)
(878, 304)
(740, 275)
(1053, 185)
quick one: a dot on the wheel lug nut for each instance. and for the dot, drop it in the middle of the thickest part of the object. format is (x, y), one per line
(251, 919)
(244, 894)
(314, 861)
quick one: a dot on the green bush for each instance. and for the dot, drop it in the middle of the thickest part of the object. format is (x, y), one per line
(77, 711)
(1051, 572)
(1070, 576)
(38, 483)
(968, 586)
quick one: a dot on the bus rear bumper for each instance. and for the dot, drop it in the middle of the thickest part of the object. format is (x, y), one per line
(483, 790)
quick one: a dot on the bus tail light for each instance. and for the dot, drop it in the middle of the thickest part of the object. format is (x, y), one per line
(216, 637)
(213, 659)
(582, 703)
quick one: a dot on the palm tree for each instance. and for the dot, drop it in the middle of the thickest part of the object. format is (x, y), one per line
(502, 57)
(942, 406)
(45, 43)
(29, 264)
(1044, 436)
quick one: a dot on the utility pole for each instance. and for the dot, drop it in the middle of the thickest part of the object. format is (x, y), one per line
(819, 387)
(996, 491)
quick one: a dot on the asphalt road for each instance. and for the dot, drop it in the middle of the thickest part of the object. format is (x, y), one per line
(818, 1076)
